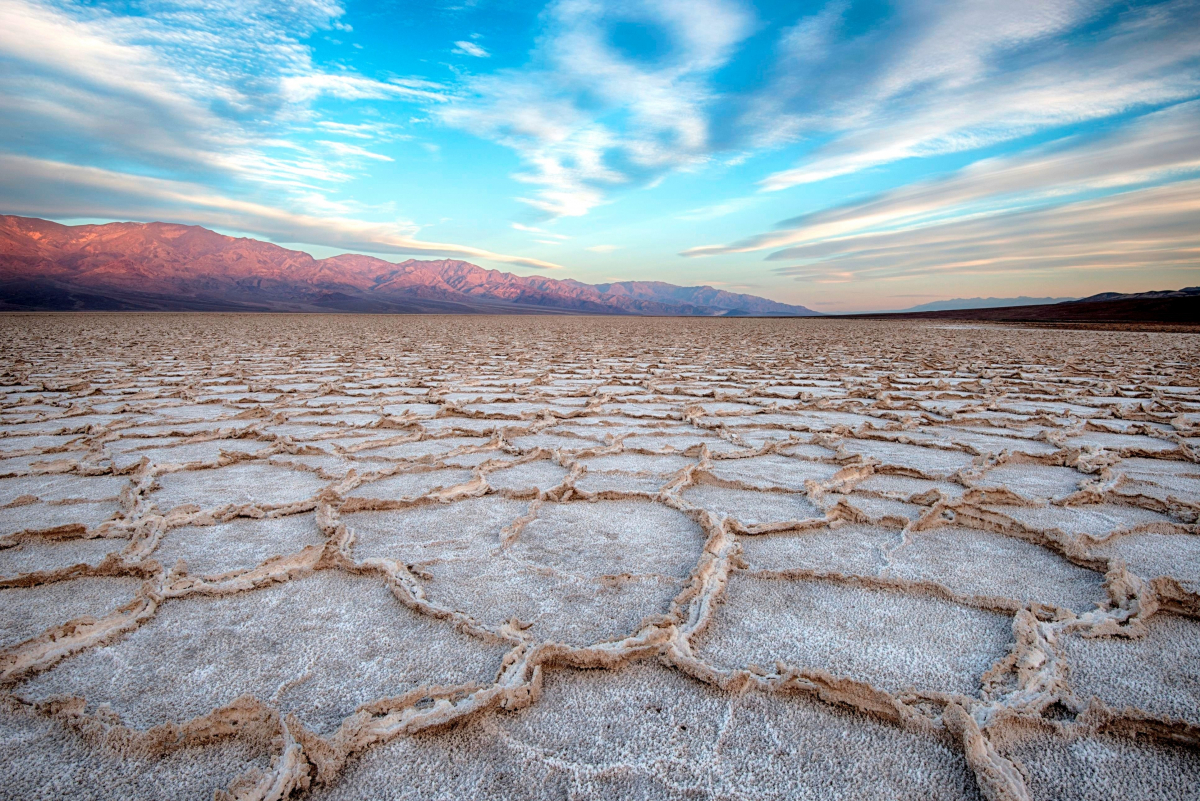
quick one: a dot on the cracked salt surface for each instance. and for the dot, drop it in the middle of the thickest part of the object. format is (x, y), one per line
(891, 640)
(450, 557)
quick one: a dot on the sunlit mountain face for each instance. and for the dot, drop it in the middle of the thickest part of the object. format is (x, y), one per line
(841, 156)
(46, 266)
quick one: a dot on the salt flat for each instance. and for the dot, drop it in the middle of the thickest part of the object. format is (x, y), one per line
(269, 556)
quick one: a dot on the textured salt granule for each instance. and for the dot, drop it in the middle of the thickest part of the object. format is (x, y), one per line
(773, 471)
(243, 483)
(1158, 673)
(1104, 767)
(610, 537)
(538, 475)
(298, 431)
(876, 508)
(33, 463)
(327, 642)
(1121, 443)
(335, 466)
(194, 411)
(39, 442)
(983, 563)
(648, 733)
(206, 452)
(579, 573)
(240, 544)
(44, 760)
(45, 554)
(659, 465)
(890, 639)
(477, 458)
(619, 482)
(434, 531)
(28, 611)
(1036, 482)
(1095, 520)
(41, 516)
(341, 418)
(675, 441)
(1150, 555)
(905, 487)
(1181, 479)
(997, 443)
(411, 485)
(930, 462)
(553, 442)
(852, 549)
(802, 450)
(415, 450)
(60, 487)
(752, 507)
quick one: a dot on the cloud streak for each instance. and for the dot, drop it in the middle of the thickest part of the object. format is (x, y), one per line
(470, 49)
(1054, 184)
(1151, 229)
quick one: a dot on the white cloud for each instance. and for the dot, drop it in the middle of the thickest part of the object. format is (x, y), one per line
(535, 230)
(1142, 230)
(1160, 146)
(193, 88)
(965, 75)
(603, 248)
(470, 49)
(586, 117)
(362, 130)
(344, 149)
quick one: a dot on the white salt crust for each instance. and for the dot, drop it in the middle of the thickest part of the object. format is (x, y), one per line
(804, 559)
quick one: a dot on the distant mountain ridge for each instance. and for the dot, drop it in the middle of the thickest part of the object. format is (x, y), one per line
(981, 303)
(1186, 292)
(163, 266)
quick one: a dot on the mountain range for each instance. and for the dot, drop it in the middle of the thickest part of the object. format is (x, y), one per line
(1173, 307)
(981, 303)
(166, 267)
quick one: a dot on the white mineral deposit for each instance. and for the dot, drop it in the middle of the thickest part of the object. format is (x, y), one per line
(373, 557)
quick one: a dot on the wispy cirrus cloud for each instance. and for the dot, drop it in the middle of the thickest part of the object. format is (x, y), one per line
(1128, 199)
(1153, 230)
(466, 48)
(533, 229)
(591, 112)
(1163, 146)
(589, 116)
(939, 78)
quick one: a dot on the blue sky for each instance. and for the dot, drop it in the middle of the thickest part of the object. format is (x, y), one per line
(841, 155)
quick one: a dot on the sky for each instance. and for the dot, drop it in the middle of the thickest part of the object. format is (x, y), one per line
(840, 155)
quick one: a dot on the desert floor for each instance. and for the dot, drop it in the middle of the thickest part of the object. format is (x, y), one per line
(452, 557)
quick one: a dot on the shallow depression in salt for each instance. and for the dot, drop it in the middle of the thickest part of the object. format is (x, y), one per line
(442, 557)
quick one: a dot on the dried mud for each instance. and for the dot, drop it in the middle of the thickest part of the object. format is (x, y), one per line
(268, 557)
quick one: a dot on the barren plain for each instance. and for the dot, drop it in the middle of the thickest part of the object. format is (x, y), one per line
(335, 557)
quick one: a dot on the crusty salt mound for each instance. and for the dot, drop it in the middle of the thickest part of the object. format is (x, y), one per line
(269, 557)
